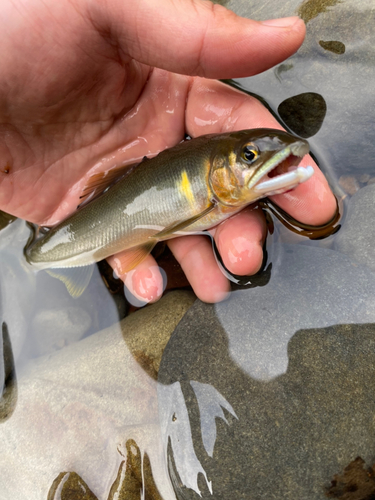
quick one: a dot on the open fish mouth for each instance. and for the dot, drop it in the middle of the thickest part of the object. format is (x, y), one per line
(282, 173)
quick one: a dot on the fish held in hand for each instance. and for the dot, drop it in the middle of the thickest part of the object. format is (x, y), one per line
(183, 190)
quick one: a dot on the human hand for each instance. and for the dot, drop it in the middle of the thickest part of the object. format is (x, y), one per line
(86, 86)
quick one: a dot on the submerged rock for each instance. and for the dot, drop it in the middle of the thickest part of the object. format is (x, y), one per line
(278, 400)
(79, 405)
(147, 339)
(8, 380)
(69, 486)
(134, 481)
(356, 482)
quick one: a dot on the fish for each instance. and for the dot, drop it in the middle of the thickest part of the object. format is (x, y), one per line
(186, 189)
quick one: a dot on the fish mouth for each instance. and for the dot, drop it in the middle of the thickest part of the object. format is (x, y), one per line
(281, 173)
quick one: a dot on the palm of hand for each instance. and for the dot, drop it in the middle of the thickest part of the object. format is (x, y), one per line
(86, 106)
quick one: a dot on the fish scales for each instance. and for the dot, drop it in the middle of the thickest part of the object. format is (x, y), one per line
(156, 193)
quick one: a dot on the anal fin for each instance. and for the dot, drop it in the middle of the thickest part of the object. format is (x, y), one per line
(75, 279)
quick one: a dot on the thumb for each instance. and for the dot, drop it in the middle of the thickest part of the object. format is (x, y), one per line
(197, 37)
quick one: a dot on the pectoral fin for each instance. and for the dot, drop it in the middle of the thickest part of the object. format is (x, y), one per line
(180, 226)
(75, 279)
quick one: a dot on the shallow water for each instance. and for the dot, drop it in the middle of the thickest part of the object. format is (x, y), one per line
(267, 395)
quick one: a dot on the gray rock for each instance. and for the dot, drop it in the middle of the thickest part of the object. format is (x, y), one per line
(295, 392)
(357, 236)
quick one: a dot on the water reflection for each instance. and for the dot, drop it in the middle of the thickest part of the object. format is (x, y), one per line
(83, 391)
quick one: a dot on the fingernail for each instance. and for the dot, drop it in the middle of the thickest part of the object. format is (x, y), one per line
(145, 285)
(282, 22)
(131, 296)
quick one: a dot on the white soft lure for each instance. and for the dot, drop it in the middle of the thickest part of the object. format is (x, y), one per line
(283, 182)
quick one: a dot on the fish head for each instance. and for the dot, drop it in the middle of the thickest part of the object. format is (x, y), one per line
(252, 164)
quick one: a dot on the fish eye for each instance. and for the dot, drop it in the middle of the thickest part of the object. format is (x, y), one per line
(249, 153)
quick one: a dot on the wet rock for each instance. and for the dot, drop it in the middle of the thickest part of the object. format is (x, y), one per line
(356, 482)
(349, 184)
(147, 339)
(134, 477)
(69, 486)
(303, 113)
(276, 399)
(6, 219)
(54, 329)
(134, 481)
(77, 406)
(309, 288)
(357, 236)
(333, 46)
(8, 380)
(364, 178)
(309, 9)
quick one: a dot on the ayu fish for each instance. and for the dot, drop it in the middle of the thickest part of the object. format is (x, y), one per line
(183, 190)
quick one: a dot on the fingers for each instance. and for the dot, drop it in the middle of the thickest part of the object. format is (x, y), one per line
(196, 257)
(189, 34)
(311, 202)
(213, 108)
(145, 282)
(240, 241)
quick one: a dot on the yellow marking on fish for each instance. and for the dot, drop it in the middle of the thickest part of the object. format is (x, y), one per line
(232, 157)
(184, 187)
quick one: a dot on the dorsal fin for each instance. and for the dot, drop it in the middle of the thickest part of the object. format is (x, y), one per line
(98, 183)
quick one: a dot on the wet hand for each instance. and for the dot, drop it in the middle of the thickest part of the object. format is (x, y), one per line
(80, 93)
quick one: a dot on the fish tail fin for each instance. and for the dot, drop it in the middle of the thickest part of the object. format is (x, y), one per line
(75, 279)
